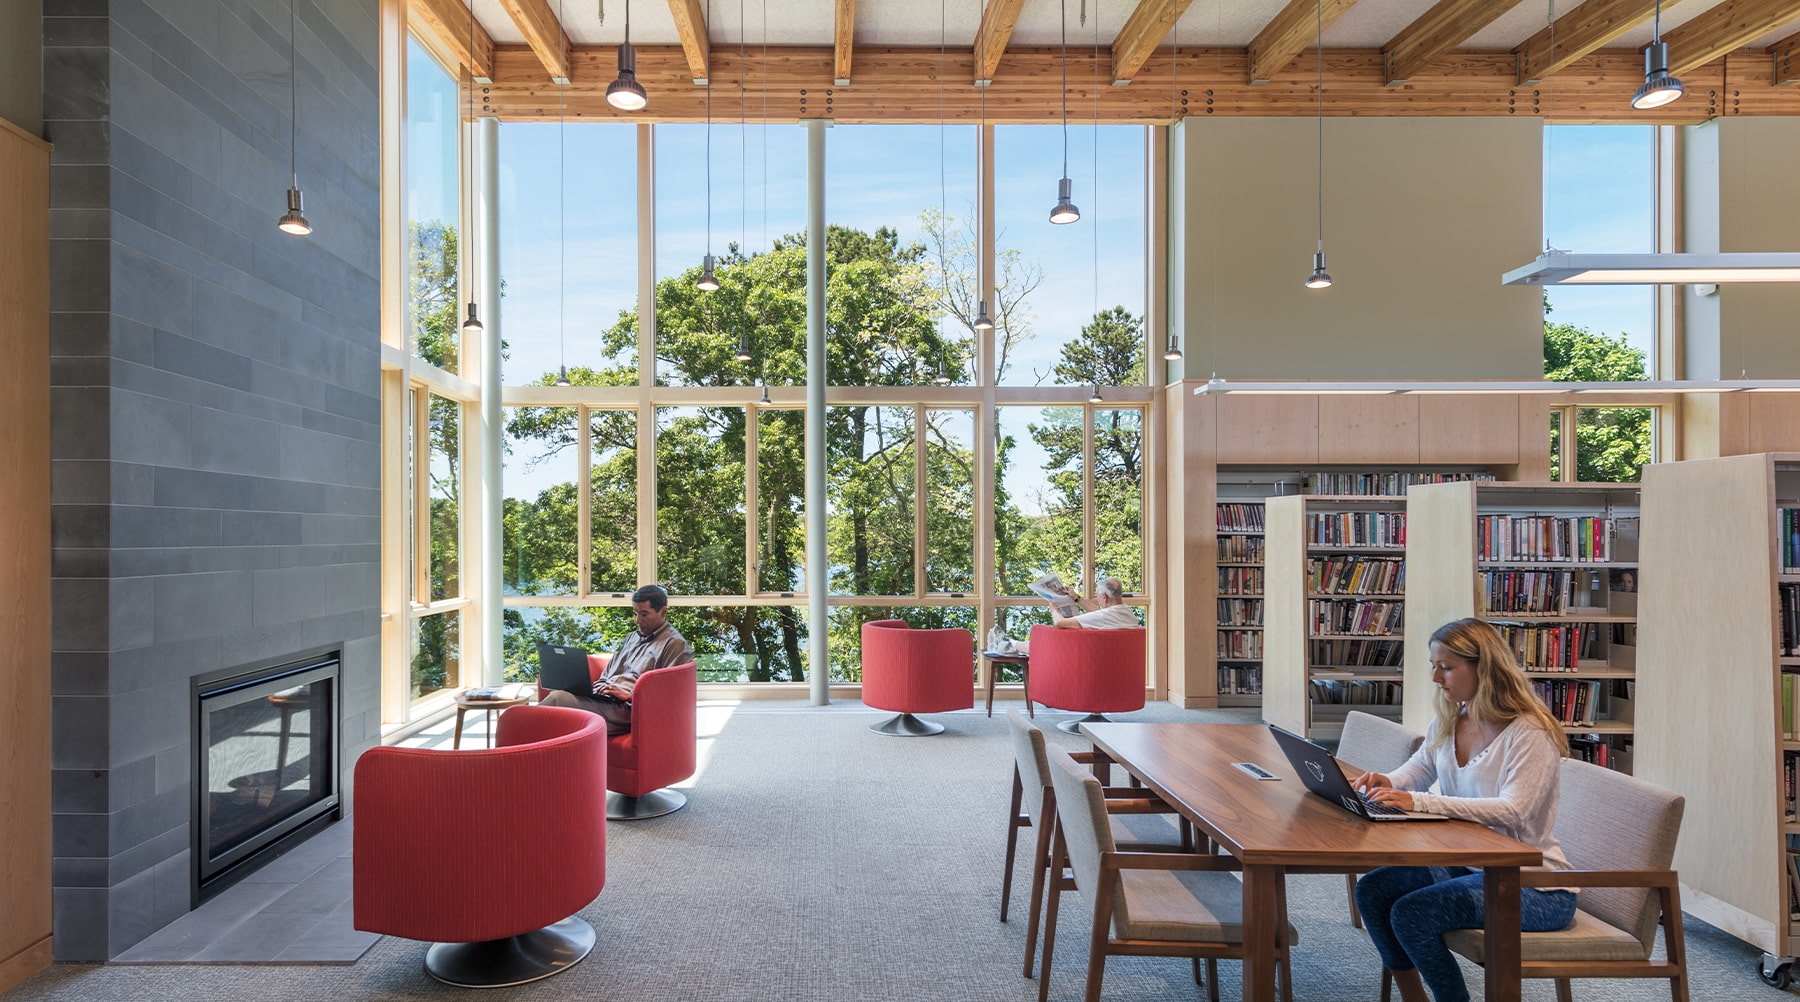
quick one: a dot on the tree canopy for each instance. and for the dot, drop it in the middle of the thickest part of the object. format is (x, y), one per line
(1612, 444)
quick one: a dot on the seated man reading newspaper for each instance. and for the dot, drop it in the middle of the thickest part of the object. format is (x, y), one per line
(1107, 611)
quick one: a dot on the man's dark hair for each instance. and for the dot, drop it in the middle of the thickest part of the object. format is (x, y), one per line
(653, 594)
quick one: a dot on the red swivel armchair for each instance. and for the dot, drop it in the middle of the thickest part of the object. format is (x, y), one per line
(491, 923)
(1089, 671)
(913, 671)
(659, 750)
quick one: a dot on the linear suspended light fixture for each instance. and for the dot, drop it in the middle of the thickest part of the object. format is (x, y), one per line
(1563, 268)
(1218, 387)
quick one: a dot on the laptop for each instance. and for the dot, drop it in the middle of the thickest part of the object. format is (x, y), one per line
(1323, 776)
(564, 668)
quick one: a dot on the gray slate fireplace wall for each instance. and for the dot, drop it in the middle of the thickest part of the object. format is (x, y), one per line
(215, 408)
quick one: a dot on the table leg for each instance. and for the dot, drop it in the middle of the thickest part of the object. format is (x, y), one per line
(1025, 680)
(456, 738)
(1102, 767)
(993, 668)
(490, 727)
(1501, 949)
(1262, 885)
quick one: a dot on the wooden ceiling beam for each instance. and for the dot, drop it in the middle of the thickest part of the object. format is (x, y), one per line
(1448, 24)
(998, 19)
(1288, 34)
(845, 42)
(1144, 30)
(543, 33)
(1725, 28)
(1785, 54)
(450, 21)
(690, 25)
(1579, 32)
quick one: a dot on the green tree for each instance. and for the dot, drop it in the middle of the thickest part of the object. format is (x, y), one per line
(1612, 444)
(432, 302)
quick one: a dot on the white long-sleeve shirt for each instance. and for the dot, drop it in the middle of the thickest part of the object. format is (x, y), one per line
(1512, 786)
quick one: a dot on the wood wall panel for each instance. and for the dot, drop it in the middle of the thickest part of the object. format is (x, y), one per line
(1369, 429)
(1478, 428)
(1267, 429)
(1774, 424)
(24, 555)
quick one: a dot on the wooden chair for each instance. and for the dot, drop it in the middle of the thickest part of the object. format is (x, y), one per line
(1146, 904)
(1034, 806)
(1619, 834)
(1373, 744)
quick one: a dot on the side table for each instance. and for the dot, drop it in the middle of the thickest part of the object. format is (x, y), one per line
(464, 704)
(1023, 660)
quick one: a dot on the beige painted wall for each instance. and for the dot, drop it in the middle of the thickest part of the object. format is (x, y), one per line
(1422, 216)
(1759, 210)
(21, 64)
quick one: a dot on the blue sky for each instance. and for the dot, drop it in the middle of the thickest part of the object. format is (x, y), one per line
(1599, 196)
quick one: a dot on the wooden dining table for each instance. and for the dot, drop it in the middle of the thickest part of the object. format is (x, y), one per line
(1275, 827)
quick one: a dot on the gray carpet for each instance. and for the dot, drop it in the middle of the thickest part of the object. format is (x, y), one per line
(820, 861)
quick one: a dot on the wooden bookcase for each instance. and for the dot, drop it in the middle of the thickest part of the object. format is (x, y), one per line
(1558, 575)
(1315, 630)
(1240, 613)
(1711, 663)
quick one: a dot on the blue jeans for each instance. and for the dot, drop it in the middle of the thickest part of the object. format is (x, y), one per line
(1407, 910)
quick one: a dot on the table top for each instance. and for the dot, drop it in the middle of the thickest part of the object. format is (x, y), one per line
(1277, 821)
(524, 691)
(1014, 656)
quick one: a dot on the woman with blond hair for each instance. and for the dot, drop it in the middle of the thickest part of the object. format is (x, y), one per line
(1495, 753)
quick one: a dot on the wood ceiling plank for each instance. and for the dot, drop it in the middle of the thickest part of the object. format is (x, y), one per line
(690, 25)
(1722, 29)
(1143, 31)
(1289, 33)
(543, 33)
(1448, 24)
(449, 21)
(1579, 32)
(1785, 54)
(998, 19)
(845, 42)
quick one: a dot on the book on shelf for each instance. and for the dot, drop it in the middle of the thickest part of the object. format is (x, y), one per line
(1240, 516)
(1240, 611)
(1355, 617)
(1793, 884)
(1358, 528)
(1790, 696)
(1240, 549)
(1385, 484)
(1355, 574)
(1376, 652)
(1788, 540)
(1553, 539)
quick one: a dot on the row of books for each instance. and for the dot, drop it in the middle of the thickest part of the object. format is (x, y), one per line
(1790, 695)
(1788, 536)
(1572, 702)
(1547, 592)
(1240, 580)
(1790, 778)
(1339, 692)
(1240, 517)
(1381, 483)
(1244, 644)
(1240, 611)
(1240, 549)
(1239, 681)
(1550, 538)
(1367, 618)
(1790, 619)
(1356, 653)
(1596, 750)
(1356, 575)
(1552, 648)
(1358, 528)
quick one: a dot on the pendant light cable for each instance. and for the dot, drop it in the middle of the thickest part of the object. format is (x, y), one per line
(1320, 278)
(472, 325)
(294, 220)
(562, 232)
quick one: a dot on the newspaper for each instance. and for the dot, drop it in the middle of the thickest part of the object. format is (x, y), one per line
(1051, 589)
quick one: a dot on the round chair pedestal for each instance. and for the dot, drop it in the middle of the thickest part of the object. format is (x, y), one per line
(516, 960)
(654, 804)
(1074, 726)
(907, 726)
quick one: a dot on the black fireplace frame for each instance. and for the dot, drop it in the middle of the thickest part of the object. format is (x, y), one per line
(209, 875)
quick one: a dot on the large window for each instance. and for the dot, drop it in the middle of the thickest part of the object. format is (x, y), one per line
(432, 210)
(1600, 198)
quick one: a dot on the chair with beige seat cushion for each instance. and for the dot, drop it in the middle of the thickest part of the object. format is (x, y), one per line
(1137, 823)
(1373, 744)
(1619, 834)
(1146, 904)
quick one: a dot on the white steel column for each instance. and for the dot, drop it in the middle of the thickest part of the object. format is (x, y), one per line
(484, 274)
(818, 615)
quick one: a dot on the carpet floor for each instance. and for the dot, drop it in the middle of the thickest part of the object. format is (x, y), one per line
(817, 860)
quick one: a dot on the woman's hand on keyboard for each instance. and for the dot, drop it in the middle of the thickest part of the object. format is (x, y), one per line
(1369, 782)
(1393, 798)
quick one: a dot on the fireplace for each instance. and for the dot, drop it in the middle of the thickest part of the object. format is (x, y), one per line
(265, 764)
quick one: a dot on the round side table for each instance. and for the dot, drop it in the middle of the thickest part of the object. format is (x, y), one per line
(492, 706)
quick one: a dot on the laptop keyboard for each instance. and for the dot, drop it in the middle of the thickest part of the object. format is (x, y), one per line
(1374, 808)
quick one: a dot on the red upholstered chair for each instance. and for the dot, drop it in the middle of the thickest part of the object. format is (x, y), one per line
(658, 750)
(491, 920)
(1089, 671)
(913, 671)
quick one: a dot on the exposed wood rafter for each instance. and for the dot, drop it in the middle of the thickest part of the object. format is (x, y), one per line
(1448, 24)
(544, 33)
(1785, 54)
(1579, 32)
(845, 42)
(997, 23)
(448, 20)
(1289, 33)
(1722, 29)
(690, 24)
(1144, 30)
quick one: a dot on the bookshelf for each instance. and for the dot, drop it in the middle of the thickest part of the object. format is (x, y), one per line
(1335, 601)
(1240, 619)
(1714, 662)
(1554, 566)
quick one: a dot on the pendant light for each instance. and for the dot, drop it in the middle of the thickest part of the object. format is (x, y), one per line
(983, 322)
(765, 401)
(562, 234)
(708, 282)
(625, 93)
(473, 325)
(1172, 353)
(1065, 211)
(293, 221)
(1320, 278)
(1094, 397)
(1659, 87)
(743, 348)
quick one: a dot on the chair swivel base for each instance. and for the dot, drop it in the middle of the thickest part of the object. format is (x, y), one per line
(515, 960)
(907, 726)
(654, 804)
(1074, 726)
